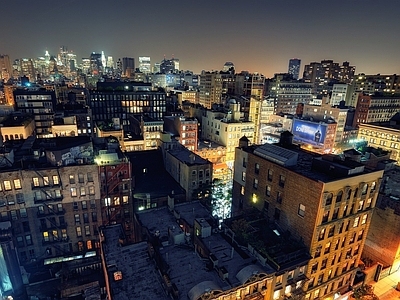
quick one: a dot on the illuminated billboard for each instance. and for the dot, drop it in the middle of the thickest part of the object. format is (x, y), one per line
(309, 132)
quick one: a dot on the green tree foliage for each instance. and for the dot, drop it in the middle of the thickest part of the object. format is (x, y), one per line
(365, 292)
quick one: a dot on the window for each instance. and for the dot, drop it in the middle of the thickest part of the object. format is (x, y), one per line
(90, 177)
(360, 235)
(75, 205)
(85, 218)
(84, 205)
(255, 183)
(277, 294)
(268, 191)
(92, 203)
(348, 195)
(20, 241)
(356, 249)
(91, 190)
(321, 235)
(301, 270)
(94, 216)
(317, 252)
(329, 198)
(278, 280)
(7, 185)
(360, 205)
(14, 215)
(364, 219)
(35, 181)
(325, 216)
(87, 230)
(373, 186)
(356, 220)
(45, 236)
(339, 196)
(77, 219)
(125, 199)
(288, 290)
(45, 181)
(28, 239)
(270, 175)
(17, 184)
(257, 168)
(82, 191)
(242, 190)
(73, 192)
(364, 189)
(324, 263)
(20, 198)
(277, 214)
(78, 231)
(243, 176)
(80, 178)
(302, 210)
(282, 179)
(266, 206)
(72, 179)
(335, 213)
(327, 247)
(55, 180)
(279, 197)
(331, 231)
(22, 213)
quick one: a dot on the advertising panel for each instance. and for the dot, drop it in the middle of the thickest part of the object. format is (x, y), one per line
(309, 132)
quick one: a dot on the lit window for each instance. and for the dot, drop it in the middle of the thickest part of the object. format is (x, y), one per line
(364, 219)
(17, 184)
(302, 210)
(55, 180)
(356, 220)
(73, 192)
(35, 181)
(45, 181)
(7, 185)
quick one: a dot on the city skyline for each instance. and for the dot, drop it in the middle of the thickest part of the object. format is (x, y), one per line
(255, 36)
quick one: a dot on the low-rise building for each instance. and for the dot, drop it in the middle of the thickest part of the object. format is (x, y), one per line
(17, 127)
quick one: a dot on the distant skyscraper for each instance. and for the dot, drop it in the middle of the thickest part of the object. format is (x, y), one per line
(169, 66)
(128, 66)
(5, 67)
(144, 64)
(228, 66)
(294, 67)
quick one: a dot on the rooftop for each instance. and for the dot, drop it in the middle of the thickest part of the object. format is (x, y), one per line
(16, 120)
(188, 157)
(191, 274)
(325, 168)
(139, 278)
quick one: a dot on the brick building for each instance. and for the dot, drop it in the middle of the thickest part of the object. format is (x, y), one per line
(322, 200)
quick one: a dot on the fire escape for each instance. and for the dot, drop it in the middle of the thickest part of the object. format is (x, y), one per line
(51, 214)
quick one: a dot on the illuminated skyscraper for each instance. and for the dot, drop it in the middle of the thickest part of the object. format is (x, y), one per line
(144, 64)
(5, 67)
(294, 67)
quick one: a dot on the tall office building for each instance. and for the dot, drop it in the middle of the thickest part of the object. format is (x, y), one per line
(210, 89)
(5, 67)
(288, 93)
(324, 201)
(96, 64)
(118, 99)
(144, 64)
(294, 67)
(41, 104)
(128, 66)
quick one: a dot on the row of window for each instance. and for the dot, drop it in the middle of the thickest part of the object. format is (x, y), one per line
(81, 178)
(85, 217)
(340, 243)
(328, 288)
(82, 191)
(346, 210)
(349, 193)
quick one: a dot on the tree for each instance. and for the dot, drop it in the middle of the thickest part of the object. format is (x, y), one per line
(365, 292)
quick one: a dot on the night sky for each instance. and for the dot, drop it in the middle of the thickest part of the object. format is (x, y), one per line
(256, 35)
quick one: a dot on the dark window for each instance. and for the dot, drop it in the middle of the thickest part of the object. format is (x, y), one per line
(277, 214)
(325, 216)
(279, 197)
(282, 179)
(329, 199)
(266, 206)
(257, 168)
(270, 174)
(339, 196)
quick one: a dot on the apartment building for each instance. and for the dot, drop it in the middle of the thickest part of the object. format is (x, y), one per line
(325, 201)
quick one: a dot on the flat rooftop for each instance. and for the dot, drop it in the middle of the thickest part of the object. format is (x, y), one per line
(309, 164)
(139, 280)
(16, 120)
(186, 268)
(186, 156)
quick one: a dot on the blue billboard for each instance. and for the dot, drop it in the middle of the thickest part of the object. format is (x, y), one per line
(309, 132)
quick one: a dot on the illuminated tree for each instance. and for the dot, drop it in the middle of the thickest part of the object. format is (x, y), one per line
(365, 292)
